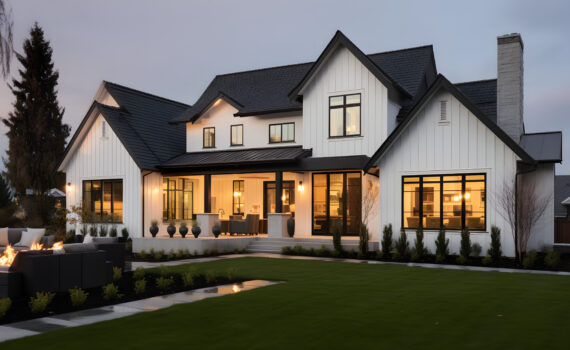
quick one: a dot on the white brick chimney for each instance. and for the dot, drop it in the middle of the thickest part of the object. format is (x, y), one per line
(510, 85)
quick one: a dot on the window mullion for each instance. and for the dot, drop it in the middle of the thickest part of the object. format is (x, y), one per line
(420, 223)
(441, 201)
(463, 202)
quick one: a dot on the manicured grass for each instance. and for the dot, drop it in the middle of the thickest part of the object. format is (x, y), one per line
(344, 306)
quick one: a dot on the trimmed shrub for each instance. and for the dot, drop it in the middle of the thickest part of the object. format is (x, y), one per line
(103, 230)
(364, 237)
(441, 246)
(324, 251)
(164, 283)
(113, 232)
(93, 231)
(164, 271)
(419, 249)
(5, 305)
(298, 250)
(552, 260)
(117, 273)
(494, 250)
(462, 260)
(529, 260)
(125, 233)
(140, 286)
(78, 296)
(465, 248)
(286, 250)
(439, 258)
(188, 278)
(171, 255)
(387, 241)
(402, 246)
(179, 254)
(210, 276)
(143, 254)
(139, 273)
(111, 292)
(476, 249)
(158, 255)
(337, 233)
(40, 302)
(232, 273)
(487, 260)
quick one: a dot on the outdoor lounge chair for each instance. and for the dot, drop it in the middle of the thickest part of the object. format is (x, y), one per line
(248, 226)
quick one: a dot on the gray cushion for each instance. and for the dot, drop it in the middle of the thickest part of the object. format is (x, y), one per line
(105, 239)
(79, 247)
(47, 241)
(15, 234)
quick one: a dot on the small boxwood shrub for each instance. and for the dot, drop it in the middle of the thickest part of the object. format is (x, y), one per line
(387, 241)
(286, 250)
(170, 255)
(158, 255)
(40, 302)
(164, 271)
(125, 233)
(143, 254)
(139, 273)
(140, 286)
(487, 260)
(529, 260)
(164, 283)
(188, 278)
(5, 304)
(117, 273)
(552, 260)
(113, 232)
(210, 276)
(77, 296)
(111, 292)
(494, 250)
(179, 254)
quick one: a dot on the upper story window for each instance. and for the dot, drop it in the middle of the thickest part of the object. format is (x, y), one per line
(103, 199)
(344, 115)
(236, 135)
(209, 137)
(284, 132)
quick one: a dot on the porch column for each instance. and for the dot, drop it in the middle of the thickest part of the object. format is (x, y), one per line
(278, 191)
(207, 193)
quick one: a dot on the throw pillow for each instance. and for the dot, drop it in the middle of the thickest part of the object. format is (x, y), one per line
(30, 237)
(4, 236)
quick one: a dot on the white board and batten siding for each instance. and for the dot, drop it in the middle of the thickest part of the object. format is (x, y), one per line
(461, 145)
(344, 74)
(104, 157)
(255, 129)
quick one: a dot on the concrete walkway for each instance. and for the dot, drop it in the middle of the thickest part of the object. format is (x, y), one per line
(105, 313)
(145, 264)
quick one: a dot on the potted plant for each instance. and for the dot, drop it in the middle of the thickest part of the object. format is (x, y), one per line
(216, 229)
(291, 226)
(171, 229)
(183, 229)
(196, 230)
(153, 228)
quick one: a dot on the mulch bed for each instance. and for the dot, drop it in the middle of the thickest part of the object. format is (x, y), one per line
(61, 303)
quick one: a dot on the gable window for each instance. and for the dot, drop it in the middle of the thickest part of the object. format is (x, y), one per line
(177, 199)
(284, 132)
(344, 115)
(236, 135)
(237, 201)
(451, 201)
(104, 200)
(209, 137)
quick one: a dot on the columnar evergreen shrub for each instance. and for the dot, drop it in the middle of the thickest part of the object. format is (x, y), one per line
(419, 248)
(125, 233)
(364, 238)
(402, 245)
(465, 249)
(113, 232)
(494, 250)
(337, 232)
(387, 240)
(441, 246)
(103, 230)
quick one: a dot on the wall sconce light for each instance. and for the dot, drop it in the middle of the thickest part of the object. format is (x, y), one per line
(68, 187)
(301, 188)
(155, 191)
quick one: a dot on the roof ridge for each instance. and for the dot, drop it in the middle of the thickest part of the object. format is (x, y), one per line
(146, 94)
(400, 50)
(543, 132)
(476, 81)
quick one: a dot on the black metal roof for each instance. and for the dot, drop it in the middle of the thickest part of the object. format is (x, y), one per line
(265, 91)
(543, 146)
(561, 192)
(240, 157)
(483, 94)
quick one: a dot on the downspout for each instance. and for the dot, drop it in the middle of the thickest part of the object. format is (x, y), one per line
(144, 175)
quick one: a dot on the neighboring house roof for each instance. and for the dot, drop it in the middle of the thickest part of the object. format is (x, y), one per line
(242, 157)
(265, 91)
(561, 195)
(545, 147)
(483, 94)
(141, 123)
(442, 83)
(55, 193)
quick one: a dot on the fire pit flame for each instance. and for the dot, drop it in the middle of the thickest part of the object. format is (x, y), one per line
(9, 254)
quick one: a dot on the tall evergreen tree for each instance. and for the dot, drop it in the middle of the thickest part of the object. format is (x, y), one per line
(5, 193)
(36, 132)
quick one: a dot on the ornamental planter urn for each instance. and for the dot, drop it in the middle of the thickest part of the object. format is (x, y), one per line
(153, 228)
(183, 230)
(171, 229)
(196, 230)
(291, 227)
(216, 230)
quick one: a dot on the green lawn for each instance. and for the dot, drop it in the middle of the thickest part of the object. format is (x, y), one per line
(344, 306)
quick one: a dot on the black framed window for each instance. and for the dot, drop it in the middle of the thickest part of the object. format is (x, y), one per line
(177, 199)
(236, 135)
(237, 199)
(451, 201)
(344, 115)
(104, 200)
(283, 132)
(287, 197)
(336, 201)
(209, 137)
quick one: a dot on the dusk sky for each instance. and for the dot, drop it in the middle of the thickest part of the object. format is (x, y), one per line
(175, 48)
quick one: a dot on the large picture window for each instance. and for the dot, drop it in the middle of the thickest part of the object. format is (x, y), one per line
(451, 201)
(209, 137)
(237, 201)
(344, 115)
(337, 201)
(177, 199)
(284, 132)
(104, 200)
(287, 197)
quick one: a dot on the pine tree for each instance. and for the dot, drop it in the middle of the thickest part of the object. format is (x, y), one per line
(36, 132)
(5, 193)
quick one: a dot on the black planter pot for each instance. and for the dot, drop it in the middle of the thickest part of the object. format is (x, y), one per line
(153, 230)
(183, 231)
(290, 227)
(196, 230)
(79, 238)
(171, 230)
(216, 230)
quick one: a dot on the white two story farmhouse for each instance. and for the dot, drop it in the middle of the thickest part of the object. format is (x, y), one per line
(317, 141)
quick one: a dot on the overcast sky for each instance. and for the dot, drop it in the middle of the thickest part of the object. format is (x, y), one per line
(175, 48)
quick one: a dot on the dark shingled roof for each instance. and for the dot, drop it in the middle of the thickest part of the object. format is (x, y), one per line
(543, 146)
(483, 94)
(141, 123)
(238, 157)
(561, 192)
(266, 90)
